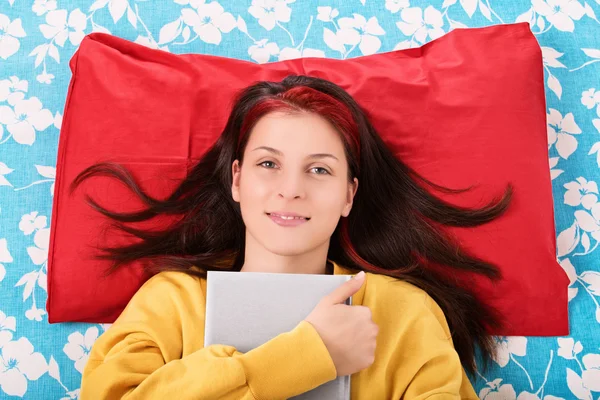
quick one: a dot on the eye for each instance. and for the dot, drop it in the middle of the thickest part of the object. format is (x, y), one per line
(325, 172)
(265, 162)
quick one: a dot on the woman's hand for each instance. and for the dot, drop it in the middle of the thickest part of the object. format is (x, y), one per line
(348, 332)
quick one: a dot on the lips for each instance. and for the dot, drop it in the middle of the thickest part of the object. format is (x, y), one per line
(287, 222)
(287, 216)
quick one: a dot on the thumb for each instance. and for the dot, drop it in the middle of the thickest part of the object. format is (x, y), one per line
(346, 289)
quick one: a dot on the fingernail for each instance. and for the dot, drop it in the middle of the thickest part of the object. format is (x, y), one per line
(359, 275)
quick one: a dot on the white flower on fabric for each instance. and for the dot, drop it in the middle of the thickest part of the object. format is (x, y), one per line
(527, 396)
(405, 44)
(148, 42)
(79, 346)
(495, 391)
(269, 12)
(45, 77)
(105, 326)
(568, 349)
(415, 22)
(560, 13)
(7, 324)
(289, 53)
(532, 396)
(261, 51)
(577, 386)
(18, 364)
(192, 3)
(591, 98)
(31, 222)
(581, 192)
(72, 395)
(327, 14)
(34, 313)
(551, 56)
(57, 122)
(507, 345)
(27, 117)
(5, 256)
(554, 172)
(396, 5)
(591, 375)
(560, 130)
(9, 34)
(208, 21)
(59, 29)
(46, 171)
(358, 30)
(4, 253)
(4, 170)
(13, 90)
(41, 7)
(39, 252)
(589, 223)
(569, 269)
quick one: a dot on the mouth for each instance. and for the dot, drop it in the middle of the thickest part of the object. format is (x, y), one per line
(287, 216)
(288, 220)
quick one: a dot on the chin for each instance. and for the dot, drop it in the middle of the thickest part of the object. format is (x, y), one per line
(290, 247)
(288, 251)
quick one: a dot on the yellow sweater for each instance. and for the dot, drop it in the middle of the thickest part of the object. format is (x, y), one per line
(154, 350)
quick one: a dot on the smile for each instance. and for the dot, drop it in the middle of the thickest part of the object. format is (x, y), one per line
(287, 220)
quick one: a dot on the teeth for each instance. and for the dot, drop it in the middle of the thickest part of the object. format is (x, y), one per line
(288, 218)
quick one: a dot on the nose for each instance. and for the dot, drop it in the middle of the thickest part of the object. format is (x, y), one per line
(291, 186)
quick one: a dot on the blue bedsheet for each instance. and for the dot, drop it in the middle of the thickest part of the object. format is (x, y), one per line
(37, 39)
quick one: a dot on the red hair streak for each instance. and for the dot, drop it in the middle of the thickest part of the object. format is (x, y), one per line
(304, 98)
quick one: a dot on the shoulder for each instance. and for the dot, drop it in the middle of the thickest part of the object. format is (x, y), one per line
(404, 302)
(396, 290)
(168, 283)
(172, 279)
(166, 293)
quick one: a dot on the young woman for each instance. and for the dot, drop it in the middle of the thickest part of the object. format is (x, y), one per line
(298, 182)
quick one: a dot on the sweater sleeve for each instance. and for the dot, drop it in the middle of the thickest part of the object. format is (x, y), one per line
(140, 355)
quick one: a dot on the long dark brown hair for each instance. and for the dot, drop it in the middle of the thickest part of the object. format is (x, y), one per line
(394, 228)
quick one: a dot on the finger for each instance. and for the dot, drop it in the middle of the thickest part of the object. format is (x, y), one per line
(346, 289)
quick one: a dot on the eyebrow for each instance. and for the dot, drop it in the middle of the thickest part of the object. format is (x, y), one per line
(279, 153)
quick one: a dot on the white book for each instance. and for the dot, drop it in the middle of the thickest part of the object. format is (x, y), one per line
(247, 309)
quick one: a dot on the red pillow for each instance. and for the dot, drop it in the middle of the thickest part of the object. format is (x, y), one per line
(467, 108)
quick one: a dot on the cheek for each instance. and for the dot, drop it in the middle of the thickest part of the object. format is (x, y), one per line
(328, 202)
(254, 194)
(253, 186)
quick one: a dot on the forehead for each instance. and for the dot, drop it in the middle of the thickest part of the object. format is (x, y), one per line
(296, 132)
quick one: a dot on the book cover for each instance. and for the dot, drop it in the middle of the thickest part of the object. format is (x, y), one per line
(247, 309)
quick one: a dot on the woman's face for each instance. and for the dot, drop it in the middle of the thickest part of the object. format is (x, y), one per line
(293, 163)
